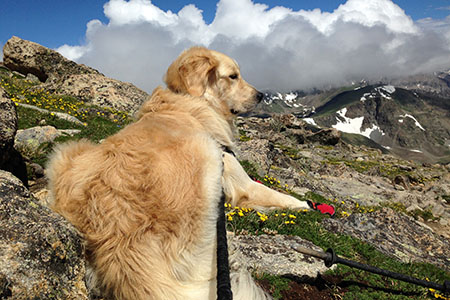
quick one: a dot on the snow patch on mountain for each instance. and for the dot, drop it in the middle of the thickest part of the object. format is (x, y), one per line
(388, 88)
(310, 121)
(348, 125)
(417, 151)
(354, 125)
(368, 132)
(385, 91)
(366, 96)
(289, 102)
(402, 117)
(289, 99)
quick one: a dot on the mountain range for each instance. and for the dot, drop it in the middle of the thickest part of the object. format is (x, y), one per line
(409, 117)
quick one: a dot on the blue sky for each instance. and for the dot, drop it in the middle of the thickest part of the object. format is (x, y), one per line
(280, 44)
(53, 23)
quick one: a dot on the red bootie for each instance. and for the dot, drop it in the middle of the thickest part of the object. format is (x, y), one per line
(322, 207)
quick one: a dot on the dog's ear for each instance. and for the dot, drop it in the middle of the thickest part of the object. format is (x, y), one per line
(192, 72)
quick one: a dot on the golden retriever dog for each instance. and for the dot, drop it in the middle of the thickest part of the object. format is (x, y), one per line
(146, 199)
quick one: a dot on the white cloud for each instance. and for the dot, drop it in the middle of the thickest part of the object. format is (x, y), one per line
(121, 12)
(366, 12)
(277, 48)
(443, 8)
(441, 26)
(72, 52)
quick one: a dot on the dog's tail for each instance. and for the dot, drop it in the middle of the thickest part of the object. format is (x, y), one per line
(244, 287)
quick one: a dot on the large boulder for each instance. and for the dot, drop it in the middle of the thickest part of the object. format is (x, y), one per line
(99, 90)
(28, 57)
(396, 235)
(64, 76)
(273, 254)
(10, 159)
(41, 254)
(29, 141)
(8, 123)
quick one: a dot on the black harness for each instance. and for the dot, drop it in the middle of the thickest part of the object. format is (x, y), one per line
(223, 269)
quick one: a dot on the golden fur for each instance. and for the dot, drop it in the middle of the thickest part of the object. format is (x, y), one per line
(146, 198)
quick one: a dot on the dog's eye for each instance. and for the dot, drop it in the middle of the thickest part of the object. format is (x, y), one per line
(233, 76)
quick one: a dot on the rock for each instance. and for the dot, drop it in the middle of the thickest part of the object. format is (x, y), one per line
(298, 135)
(438, 210)
(273, 254)
(8, 123)
(405, 168)
(327, 136)
(17, 74)
(43, 196)
(396, 235)
(413, 207)
(33, 78)
(28, 57)
(399, 188)
(257, 151)
(38, 170)
(401, 183)
(10, 159)
(99, 90)
(64, 76)
(29, 141)
(41, 254)
(60, 115)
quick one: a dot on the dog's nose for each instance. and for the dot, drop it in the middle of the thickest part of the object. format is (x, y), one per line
(259, 96)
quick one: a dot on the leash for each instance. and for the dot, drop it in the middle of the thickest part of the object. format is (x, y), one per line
(330, 258)
(223, 270)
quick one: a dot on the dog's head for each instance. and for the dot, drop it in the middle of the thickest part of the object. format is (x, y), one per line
(216, 77)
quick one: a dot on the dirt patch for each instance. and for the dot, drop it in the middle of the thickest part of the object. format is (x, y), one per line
(320, 288)
(328, 287)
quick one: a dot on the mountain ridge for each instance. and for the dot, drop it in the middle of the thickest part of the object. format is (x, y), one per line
(395, 117)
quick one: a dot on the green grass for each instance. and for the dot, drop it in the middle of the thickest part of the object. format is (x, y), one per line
(364, 285)
(243, 137)
(26, 92)
(374, 166)
(446, 198)
(98, 128)
(28, 118)
(277, 283)
(360, 140)
(99, 122)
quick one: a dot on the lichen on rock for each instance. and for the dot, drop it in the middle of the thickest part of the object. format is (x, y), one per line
(41, 254)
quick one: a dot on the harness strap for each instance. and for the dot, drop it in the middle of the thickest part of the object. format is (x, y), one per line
(223, 271)
(228, 150)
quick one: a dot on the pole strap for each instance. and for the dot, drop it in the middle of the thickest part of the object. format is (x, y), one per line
(330, 258)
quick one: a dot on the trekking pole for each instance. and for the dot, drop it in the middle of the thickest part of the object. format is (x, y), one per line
(330, 258)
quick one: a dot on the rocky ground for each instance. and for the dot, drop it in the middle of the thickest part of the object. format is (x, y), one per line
(399, 207)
